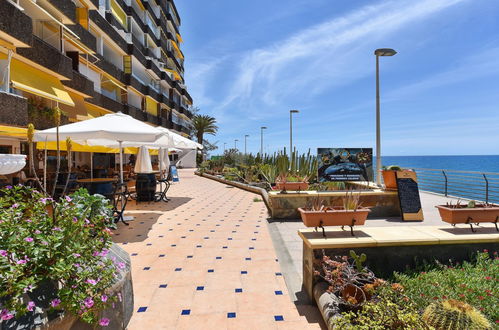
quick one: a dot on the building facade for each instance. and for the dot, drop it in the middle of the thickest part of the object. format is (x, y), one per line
(89, 58)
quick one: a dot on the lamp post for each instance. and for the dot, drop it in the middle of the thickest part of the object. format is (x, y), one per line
(261, 139)
(291, 112)
(235, 143)
(245, 143)
(379, 52)
(224, 147)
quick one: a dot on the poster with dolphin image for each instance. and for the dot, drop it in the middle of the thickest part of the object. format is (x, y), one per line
(345, 164)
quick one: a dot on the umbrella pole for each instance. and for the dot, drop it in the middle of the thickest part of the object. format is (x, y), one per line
(91, 166)
(45, 167)
(121, 162)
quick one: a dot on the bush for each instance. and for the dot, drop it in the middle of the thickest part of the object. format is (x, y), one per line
(62, 243)
(475, 283)
(389, 309)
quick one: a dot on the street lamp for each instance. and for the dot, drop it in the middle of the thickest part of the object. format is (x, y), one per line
(379, 52)
(224, 147)
(291, 112)
(245, 143)
(235, 143)
(261, 140)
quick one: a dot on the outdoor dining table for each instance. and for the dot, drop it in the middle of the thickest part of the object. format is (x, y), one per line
(102, 186)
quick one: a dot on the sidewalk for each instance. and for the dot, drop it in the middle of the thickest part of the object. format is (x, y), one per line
(206, 260)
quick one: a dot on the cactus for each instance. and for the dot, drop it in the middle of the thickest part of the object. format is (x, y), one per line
(471, 204)
(358, 260)
(453, 314)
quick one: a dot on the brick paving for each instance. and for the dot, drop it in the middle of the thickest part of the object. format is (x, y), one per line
(206, 259)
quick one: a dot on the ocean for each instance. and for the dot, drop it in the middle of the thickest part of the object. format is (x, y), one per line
(488, 163)
(464, 185)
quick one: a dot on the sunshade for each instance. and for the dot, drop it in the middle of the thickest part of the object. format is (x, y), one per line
(143, 162)
(179, 141)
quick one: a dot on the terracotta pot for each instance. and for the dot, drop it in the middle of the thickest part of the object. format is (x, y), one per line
(292, 186)
(390, 179)
(334, 217)
(354, 292)
(469, 215)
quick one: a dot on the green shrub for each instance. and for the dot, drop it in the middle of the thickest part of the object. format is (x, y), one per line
(389, 309)
(475, 283)
(63, 243)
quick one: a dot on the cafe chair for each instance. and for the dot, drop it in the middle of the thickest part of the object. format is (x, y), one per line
(119, 199)
(161, 195)
(131, 192)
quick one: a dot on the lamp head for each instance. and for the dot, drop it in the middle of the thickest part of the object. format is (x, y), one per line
(384, 52)
(263, 127)
(294, 111)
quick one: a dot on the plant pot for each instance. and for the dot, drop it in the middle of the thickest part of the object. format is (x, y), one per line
(353, 291)
(292, 186)
(467, 215)
(390, 179)
(334, 217)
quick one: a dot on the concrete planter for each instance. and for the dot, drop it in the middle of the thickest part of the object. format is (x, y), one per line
(466, 215)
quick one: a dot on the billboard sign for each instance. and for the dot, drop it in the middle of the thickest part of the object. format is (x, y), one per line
(345, 164)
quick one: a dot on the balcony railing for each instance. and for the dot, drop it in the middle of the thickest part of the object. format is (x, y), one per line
(16, 24)
(480, 186)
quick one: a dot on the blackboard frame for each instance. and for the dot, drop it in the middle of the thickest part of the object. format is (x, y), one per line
(408, 191)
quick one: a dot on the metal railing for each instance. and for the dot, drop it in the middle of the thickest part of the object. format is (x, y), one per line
(480, 186)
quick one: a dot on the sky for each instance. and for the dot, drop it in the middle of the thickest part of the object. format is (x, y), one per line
(249, 62)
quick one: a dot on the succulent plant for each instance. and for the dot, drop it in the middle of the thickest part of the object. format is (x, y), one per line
(358, 260)
(453, 314)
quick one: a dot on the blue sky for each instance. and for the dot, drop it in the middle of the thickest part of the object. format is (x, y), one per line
(249, 62)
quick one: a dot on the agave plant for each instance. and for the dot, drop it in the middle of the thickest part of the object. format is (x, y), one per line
(351, 201)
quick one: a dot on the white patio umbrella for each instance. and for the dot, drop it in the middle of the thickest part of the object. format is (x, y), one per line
(164, 162)
(179, 141)
(143, 162)
(112, 128)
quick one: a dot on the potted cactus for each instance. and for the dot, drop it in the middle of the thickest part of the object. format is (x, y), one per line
(292, 172)
(352, 213)
(469, 213)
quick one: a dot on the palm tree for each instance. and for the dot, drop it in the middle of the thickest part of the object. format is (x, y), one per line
(204, 124)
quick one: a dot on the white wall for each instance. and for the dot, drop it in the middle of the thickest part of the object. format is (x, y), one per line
(112, 56)
(91, 75)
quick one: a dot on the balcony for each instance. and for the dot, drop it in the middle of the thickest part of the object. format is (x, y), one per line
(106, 102)
(85, 36)
(135, 83)
(15, 26)
(66, 8)
(49, 57)
(152, 119)
(133, 111)
(110, 68)
(108, 29)
(177, 127)
(13, 109)
(80, 83)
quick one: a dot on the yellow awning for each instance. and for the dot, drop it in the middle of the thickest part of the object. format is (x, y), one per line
(176, 75)
(179, 38)
(151, 106)
(177, 49)
(13, 131)
(84, 148)
(94, 111)
(79, 111)
(139, 2)
(31, 80)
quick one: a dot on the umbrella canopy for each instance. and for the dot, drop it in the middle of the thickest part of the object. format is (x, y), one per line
(112, 127)
(164, 161)
(143, 162)
(179, 141)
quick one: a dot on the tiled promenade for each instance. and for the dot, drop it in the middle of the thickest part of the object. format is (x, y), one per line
(206, 260)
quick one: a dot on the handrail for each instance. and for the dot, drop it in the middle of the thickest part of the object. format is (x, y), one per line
(481, 186)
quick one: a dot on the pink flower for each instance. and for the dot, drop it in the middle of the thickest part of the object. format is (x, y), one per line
(104, 252)
(28, 288)
(119, 296)
(91, 281)
(88, 302)
(45, 243)
(3, 253)
(103, 298)
(104, 322)
(29, 220)
(76, 255)
(95, 254)
(15, 206)
(121, 265)
(68, 199)
(28, 239)
(56, 302)
(56, 229)
(38, 232)
(87, 221)
(21, 262)
(30, 306)
(6, 315)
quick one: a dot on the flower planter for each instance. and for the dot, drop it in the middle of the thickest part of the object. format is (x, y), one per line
(467, 215)
(292, 186)
(390, 179)
(334, 217)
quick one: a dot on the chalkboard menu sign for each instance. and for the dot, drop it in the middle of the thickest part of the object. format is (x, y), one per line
(408, 191)
(174, 173)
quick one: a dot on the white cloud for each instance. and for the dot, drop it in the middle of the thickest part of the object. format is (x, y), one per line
(323, 55)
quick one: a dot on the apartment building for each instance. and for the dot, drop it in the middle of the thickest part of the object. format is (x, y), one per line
(89, 58)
